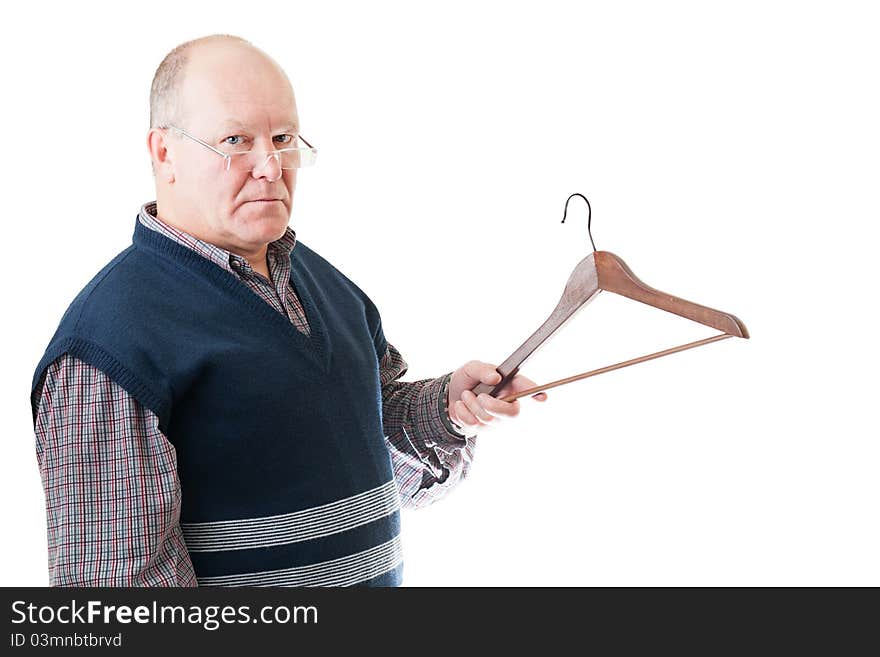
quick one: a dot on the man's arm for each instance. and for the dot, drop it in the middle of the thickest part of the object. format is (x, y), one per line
(428, 455)
(111, 484)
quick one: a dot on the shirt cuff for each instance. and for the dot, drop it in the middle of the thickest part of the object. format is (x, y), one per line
(431, 407)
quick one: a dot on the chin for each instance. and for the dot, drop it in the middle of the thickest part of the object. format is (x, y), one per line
(272, 226)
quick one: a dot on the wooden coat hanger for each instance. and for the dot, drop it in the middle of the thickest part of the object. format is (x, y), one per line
(602, 270)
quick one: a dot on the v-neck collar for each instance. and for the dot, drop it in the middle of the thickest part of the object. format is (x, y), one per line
(315, 344)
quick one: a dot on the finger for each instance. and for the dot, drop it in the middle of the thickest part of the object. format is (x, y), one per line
(538, 396)
(475, 407)
(464, 418)
(519, 383)
(498, 408)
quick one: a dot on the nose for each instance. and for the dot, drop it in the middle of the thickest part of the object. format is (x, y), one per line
(269, 167)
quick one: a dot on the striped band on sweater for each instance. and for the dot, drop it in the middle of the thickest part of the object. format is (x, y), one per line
(304, 525)
(345, 571)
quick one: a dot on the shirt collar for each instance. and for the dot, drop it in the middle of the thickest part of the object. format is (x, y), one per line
(280, 248)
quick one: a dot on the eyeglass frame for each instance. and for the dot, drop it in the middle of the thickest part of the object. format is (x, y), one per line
(228, 156)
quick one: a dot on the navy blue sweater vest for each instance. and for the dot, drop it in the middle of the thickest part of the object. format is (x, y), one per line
(285, 476)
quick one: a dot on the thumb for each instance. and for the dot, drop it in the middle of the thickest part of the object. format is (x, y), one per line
(477, 371)
(489, 374)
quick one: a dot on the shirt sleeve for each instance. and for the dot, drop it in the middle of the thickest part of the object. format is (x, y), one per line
(428, 454)
(111, 485)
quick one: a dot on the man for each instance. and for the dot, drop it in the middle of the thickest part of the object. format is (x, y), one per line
(219, 405)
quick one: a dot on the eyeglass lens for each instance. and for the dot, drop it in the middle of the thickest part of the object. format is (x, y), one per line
(294, 158)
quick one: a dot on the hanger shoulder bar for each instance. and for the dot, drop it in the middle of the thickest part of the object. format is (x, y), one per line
(615, 276)
(581, 288)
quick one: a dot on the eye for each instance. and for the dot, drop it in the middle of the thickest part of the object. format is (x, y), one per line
(226, 141)
(289, 139)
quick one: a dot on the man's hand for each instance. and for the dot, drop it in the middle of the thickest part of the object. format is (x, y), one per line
(474, 413)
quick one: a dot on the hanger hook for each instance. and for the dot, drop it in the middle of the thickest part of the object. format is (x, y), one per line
(589, 216)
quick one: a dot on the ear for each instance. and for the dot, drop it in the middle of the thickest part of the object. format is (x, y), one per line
(159, 155)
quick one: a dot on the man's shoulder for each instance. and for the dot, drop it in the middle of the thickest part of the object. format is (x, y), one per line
(118, 268)
(133, 283)
(99, 318)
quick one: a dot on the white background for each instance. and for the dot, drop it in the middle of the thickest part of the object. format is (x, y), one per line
(730, 153)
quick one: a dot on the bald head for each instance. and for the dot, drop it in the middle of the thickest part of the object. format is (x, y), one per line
(167, 106)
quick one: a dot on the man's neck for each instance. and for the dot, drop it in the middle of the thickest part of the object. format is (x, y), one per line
(260, 266)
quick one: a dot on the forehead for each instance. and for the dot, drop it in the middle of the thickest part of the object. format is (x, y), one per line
(239, 92)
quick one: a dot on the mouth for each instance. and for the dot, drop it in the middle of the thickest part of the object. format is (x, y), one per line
(266, 200)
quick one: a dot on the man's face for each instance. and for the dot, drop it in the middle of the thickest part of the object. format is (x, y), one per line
(233, 99)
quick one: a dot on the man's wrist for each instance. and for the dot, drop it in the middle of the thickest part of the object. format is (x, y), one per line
(451, 426)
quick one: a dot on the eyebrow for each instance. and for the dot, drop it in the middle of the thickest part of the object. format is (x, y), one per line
(233, 123)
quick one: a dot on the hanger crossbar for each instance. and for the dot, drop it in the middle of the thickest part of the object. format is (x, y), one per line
(616, 366)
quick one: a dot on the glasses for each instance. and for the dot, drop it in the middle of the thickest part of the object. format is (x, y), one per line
(241, 160)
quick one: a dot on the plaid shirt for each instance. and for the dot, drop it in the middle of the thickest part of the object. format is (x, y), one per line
(110, 476)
